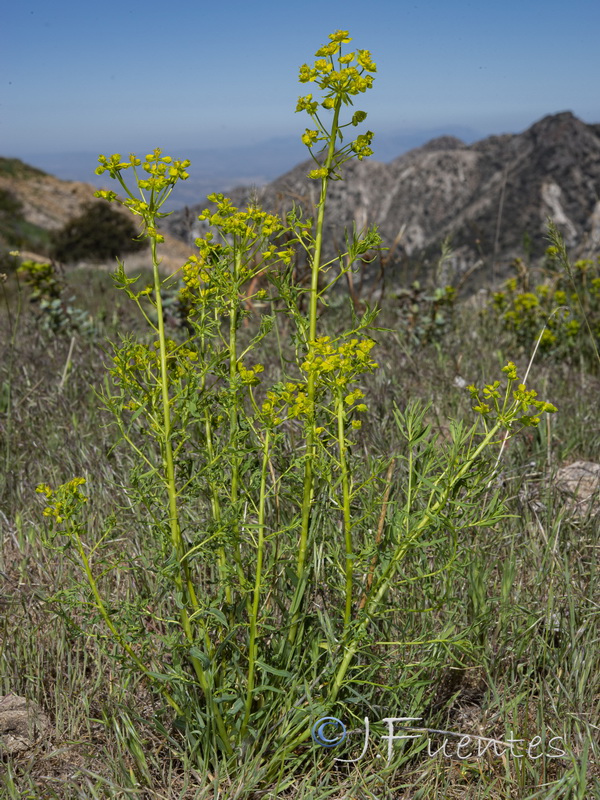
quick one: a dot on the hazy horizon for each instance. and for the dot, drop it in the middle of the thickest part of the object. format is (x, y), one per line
(131, 76)
(221, 169)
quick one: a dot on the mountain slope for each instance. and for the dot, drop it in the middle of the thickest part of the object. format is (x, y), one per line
(488, 197)
(45, 204)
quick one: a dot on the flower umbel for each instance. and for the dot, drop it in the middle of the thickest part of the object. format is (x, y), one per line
(64, 501)
(340, 77)
(513, 408)
(163, 172)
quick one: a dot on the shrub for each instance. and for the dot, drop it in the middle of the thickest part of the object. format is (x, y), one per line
(99, 233)
(55, 312)
(557, 309)
(9, 204)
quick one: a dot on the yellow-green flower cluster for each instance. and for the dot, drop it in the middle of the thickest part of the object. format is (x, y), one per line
(163, 171)
(286, 401)
(63, 501)
(252, 224)
(142, 359)
(554, 311)
(516, 405)
(351, 400)
(361, 147)
(529, 311)
(196, 271)
(342, 362)
(249, 375)
(252, 232)
(180, 357)
(309, 105)
(41, 277)
(310, 137)
(142, 209)
(335, 364)
(525, 301)
(114, 165)
(35, 270)
(340, 80)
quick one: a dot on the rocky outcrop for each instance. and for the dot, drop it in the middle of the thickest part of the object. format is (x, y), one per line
(488, 197)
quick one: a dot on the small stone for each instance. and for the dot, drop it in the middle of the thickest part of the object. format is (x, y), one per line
(581, 482)
(22, 724)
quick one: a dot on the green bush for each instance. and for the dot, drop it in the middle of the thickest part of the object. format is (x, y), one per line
(47, 293)
(99, 233)
(15, 230)
(9, 204)
(555, 309)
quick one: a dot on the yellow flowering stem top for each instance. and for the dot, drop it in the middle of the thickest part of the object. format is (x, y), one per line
(339, 86)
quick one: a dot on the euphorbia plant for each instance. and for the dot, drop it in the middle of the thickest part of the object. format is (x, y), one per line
(248, 488)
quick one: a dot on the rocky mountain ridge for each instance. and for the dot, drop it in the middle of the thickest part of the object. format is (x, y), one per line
(492, 198)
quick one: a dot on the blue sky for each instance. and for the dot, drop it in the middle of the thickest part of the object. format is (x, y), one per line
(129, 76)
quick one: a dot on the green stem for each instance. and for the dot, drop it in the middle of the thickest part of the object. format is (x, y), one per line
(214, 494)
(169, 466)
(252, 649)
(341, 420)
(233, 411)
(183, 587)
(109, 623)
(307, 494)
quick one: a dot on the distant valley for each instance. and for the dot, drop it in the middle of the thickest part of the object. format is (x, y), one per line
(219, 169)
